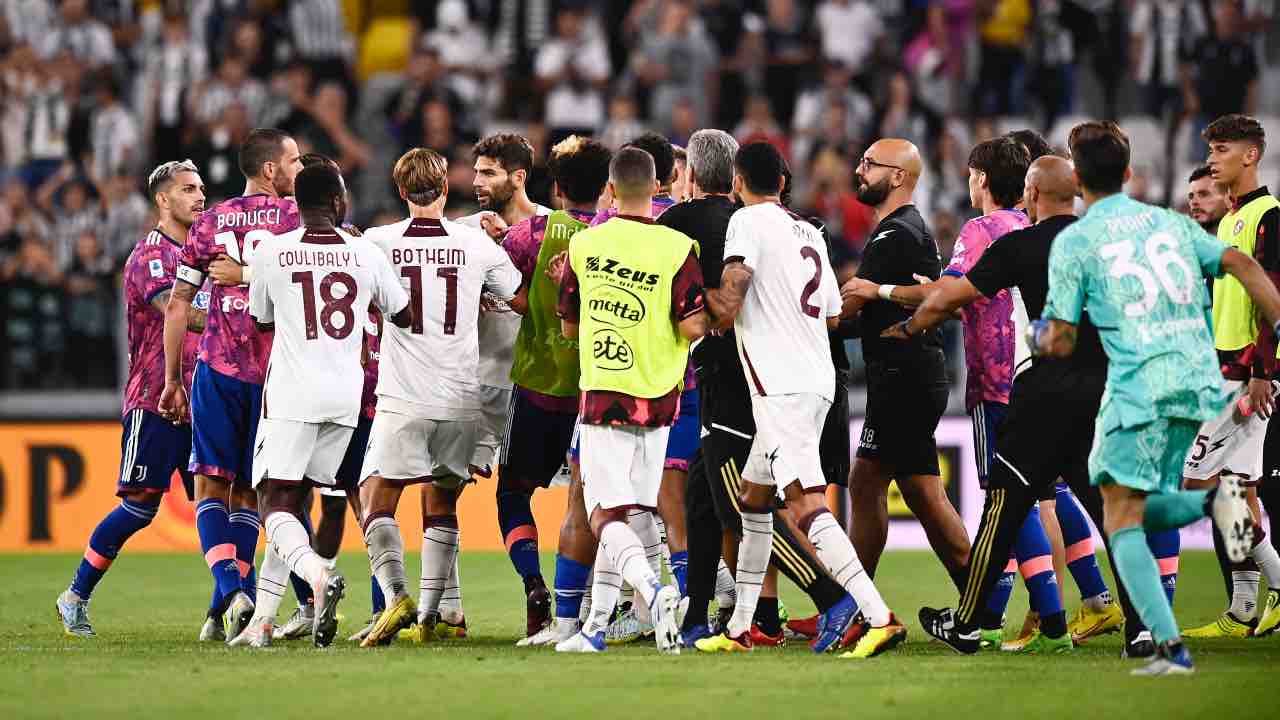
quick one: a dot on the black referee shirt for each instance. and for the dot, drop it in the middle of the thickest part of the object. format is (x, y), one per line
(706, 220)
(1021, 259)
(900, 247)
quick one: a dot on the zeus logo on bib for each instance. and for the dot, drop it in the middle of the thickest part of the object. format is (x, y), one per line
(609, 266)
(611, 351)
(615, 306)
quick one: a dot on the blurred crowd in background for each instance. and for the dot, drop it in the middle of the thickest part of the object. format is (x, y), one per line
(97, 92)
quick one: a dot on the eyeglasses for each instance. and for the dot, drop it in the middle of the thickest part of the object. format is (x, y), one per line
(867, 162)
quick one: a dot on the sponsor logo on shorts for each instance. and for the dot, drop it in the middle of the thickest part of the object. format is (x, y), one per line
(139, 474)
(868, 439)
(611, 350)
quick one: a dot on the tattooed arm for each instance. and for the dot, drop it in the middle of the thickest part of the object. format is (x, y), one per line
(725, 302)
(195, 318)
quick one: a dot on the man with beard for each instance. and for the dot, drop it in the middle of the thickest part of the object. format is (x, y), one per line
(906, 379)
(1207, 201)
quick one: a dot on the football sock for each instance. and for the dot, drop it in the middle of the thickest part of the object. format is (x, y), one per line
(837, 553)
(1035, 562)
(626, 554)
(519, 534)
(606, 585)
(642, 523)
(386, 554)
(214, 529)
(1138, 571)
(571, 586)
(1244, 595)
(271, 585)
(586, 597)
(245, 527)
(753, 561)
(726, 586)
(376, 599)
(1082, 562)
(1264, 553)
(992, 617)
(767, 616)
(1165, 546)
(1170, 511)
(1224, 563)
(301, 588)
(291, 540)
(680, 570)
(451, 600)
(795, 561)
(439, 550)
(106, 541)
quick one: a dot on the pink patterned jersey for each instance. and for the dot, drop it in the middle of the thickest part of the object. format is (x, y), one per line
(989, 334)
(149, 272)
(232, 344)
(660, 205)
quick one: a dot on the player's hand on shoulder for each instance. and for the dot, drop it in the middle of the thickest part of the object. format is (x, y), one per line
(493, 225)
(225, 271)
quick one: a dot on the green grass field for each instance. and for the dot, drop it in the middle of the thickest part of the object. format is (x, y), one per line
(146, 663)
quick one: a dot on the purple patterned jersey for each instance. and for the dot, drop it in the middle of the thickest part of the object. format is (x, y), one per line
(232, 344)
(150, 271)
(373, 337)
(660, 205)
(989, 334)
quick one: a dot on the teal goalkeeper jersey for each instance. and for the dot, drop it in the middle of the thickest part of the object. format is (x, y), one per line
(1138, 270)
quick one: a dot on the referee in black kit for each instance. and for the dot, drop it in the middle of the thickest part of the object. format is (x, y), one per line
(725, 411)
(906, 378)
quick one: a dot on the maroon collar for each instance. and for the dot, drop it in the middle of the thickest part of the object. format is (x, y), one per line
(637, 218)
(322, 237)
(425, 227)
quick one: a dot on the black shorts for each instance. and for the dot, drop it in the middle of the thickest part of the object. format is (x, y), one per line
(1048, 432)
(348, 476)
(833, 446)
(727, 429)
(904, 405)
(537, 445)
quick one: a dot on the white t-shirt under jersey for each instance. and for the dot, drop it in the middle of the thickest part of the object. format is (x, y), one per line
(782, 327)
(316, 287)
(498, 328)
(429, 369)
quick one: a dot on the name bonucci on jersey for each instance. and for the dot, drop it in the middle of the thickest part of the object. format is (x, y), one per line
(782, 327)
(498, 326)
(316, 287)
(429, 369)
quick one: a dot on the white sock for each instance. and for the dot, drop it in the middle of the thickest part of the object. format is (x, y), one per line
(1098, 602)
(331, 563)
(837, 553)
(662, 538)
(386, 556)
(289, 538)
(606, 586)
(451, 599)
(753, 561)
(623, 551)
(1244, 594)
(271, 585)
(1264, 553)
(645, 526)
(726, 586)
(584, 611)
(439, 550)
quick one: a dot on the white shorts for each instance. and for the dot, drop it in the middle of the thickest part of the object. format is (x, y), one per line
(621, 465)
(1226, 443)
(785, 448)
(293, 450)
(495, 417)
(413, 449)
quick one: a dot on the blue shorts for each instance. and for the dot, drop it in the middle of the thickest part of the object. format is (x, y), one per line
(987, 418)
(349, 471)
(151, 448)
(224, 424)
(535, 448)
(685, 437)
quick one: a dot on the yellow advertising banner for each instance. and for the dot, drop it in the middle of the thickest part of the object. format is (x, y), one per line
(58, 479)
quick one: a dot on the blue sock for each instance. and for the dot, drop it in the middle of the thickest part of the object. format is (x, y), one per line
(1165, 546)
(379, 600)
(245, 528)
(680, 569)
(104, 544)
(998, 600)
(301, 588)
(1077, 536)
(214, 528)
(1141, 577)
(1035, 560)
(571, 585)
(519, 534)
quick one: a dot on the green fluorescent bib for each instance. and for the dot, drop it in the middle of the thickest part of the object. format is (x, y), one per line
(1235, 320)
(545, 360)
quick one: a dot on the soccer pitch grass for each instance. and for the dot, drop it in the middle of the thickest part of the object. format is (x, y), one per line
(147, 663)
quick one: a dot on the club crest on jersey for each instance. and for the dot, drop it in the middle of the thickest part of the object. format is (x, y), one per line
(615, 306)
(609, 266)
(611, 350)
(1239, 228)
(201, 300)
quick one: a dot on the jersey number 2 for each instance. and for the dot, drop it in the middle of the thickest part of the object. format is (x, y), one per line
(332, 305)
(450, 277)
(811, 287)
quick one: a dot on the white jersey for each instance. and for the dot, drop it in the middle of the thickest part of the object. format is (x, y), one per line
(430, 369)
(498, 327)
(316, 286)
(782, 327)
